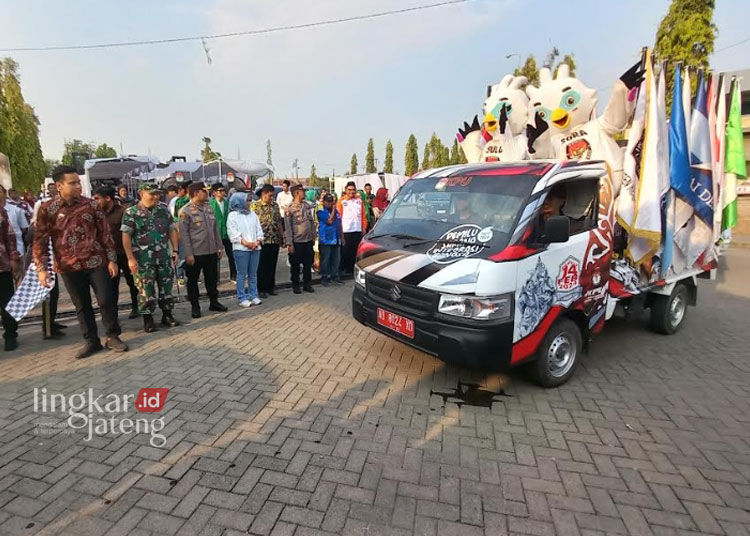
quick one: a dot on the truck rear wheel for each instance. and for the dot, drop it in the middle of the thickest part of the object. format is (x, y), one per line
(557, 357)
(668, 312)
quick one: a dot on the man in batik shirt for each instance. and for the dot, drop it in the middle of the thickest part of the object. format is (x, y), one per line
(269, 214)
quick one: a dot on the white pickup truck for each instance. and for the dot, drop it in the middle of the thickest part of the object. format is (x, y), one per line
(498, 265)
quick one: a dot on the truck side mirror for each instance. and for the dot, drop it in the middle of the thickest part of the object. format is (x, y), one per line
(557, 229)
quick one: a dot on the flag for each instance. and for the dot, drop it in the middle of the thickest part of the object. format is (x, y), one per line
(632, 163)
(30, 293)
(665, 190)
(646, 231)
(679, 168)
(734, 166)
(687, 98)
(721, 119)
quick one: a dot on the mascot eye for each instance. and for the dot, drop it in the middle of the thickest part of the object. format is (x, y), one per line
(570, 100)
(543, 112)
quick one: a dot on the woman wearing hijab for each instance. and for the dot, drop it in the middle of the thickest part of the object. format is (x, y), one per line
(380, 203)
(246, 234)
(368, 209)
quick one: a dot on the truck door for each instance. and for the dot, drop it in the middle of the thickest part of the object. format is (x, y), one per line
(567, 275)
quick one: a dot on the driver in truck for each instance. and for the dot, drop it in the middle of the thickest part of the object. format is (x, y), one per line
(554, 202)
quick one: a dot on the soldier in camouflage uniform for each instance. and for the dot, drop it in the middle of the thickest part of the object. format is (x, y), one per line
(147, 230)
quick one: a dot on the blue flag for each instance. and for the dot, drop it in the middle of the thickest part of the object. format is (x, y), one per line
(698, 189)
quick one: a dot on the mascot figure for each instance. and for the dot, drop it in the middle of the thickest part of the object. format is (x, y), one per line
(501, 138)
(567, 108)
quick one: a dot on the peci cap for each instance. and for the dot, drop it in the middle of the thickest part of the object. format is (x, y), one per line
(216, 187)
(297, 187)
(327, 197)
(195, 187)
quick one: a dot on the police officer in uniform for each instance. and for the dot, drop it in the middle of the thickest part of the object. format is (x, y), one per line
(202, 246)
(147, 230)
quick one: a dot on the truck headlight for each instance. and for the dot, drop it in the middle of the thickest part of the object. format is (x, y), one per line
(490, 308)
(359, 276)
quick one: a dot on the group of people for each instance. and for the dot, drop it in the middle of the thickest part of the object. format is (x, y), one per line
(156, 245)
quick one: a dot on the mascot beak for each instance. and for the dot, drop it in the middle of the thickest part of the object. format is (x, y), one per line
(560, 118)
(490, 122)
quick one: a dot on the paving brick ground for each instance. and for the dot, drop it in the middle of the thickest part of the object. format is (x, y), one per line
(294, 419)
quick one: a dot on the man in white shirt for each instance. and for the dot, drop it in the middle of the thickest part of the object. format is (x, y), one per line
(353, 225)
(285, 198)
(17, 219)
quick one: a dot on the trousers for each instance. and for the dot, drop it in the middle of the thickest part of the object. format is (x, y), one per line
(330, 256)
(208, 264)
(303, 255)
(349, 251)
(7, 289)
(147, 279)
(122, 264)
(79, 285)
(269, 256)
(247, 273)
(228, 250)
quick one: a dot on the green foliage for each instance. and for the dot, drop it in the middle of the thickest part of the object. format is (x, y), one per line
(686, 34)
(436, 154)
(530, 69)
(19, 130)
(411, 156)
(49, 165)
(313, 175)
(207, 153)
(455, 153)
(370, 158)
(388, 166)
(76, 151)
(353, 165)
(426, 163)
(104, 151)
(269, 153)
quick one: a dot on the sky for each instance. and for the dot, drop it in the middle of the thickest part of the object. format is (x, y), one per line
(318, 94)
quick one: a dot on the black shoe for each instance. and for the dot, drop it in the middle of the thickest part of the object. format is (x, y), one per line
(168, 320)
(338, 281)
(57, 326)
(196, 311)
(90, 349)
(263, 295)
(116, 345)
(297, 290)
(272, 292)
(133, 313)
(148, 324)
(11, 344)
(308, 288)
(216, 306)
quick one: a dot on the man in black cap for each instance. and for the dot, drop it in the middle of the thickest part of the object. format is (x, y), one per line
(201, 241)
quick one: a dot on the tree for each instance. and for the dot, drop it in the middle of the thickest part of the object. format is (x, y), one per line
(411, 156)
(455, 153)
(104, 151)
(313, 175)
(269, 153)
(76, 151)
(686, 34)
(19, 130)
(50, 164)
(370, 158)
(531, 71)
(207, 153)
(388, 165)
(426, 164)
(353, 165)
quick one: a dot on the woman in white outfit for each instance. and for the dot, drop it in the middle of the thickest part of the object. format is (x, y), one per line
(246, 235)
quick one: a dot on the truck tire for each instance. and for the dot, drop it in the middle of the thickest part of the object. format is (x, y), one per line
(668, 312)
(557, 357)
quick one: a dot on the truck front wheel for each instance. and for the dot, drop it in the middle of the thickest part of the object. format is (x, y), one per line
(668, 312)
(557, 357)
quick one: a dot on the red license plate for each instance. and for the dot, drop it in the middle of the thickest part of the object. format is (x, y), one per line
(395, 322)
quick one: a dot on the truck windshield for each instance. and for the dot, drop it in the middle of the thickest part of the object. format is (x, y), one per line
(456, 209)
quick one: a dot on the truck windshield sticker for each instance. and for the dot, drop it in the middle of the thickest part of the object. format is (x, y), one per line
(448, 182)
(459, 243)
(567, 284)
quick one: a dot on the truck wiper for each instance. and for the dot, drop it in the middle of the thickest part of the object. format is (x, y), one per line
(396, 235)
(446, 241)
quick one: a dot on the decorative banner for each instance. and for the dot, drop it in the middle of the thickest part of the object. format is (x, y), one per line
(459, 243)
(735, 160)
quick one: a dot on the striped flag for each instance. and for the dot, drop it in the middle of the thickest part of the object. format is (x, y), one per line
(734, 166)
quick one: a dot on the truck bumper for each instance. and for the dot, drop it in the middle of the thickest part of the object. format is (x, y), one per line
(481, 347)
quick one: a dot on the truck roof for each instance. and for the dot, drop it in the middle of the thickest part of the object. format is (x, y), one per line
(524, 167)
